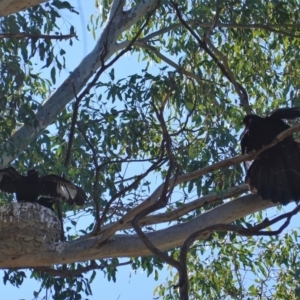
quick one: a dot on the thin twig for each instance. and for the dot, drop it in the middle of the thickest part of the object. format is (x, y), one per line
(79, 271)
(255, 230)
(22, 35)
(187, 177)
(223, 66)
(96, 177)
(121, 53)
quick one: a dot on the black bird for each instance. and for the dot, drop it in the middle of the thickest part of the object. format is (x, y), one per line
(275, 173)
(29, 188)
(46, 202)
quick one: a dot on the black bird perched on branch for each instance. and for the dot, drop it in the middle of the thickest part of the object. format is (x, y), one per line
(29, 188)
(275, 172)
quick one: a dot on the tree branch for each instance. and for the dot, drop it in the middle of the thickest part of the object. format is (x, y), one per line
(79, 271)
(123, 245)
(49, 110)
(223, 65)
(13, 6)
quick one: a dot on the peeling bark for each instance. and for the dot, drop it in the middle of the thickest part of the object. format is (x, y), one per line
(27, 228)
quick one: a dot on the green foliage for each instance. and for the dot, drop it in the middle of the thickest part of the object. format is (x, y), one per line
(22, 86)
(148, 264)
(242, 268)
(63, 287)
(14, 278)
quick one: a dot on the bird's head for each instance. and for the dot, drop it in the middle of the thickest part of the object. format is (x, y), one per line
(248, 121)
(33, 173)
(251, 119)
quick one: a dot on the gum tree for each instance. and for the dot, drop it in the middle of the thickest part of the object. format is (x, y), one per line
(160, 146)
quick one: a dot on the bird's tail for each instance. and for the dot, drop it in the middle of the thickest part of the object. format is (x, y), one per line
(275, 175)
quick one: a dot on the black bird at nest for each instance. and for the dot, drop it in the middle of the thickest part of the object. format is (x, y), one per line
(275, 172)
(37, 189)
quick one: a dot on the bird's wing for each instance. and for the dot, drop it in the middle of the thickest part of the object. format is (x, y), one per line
(244, 142)
(8, 179)
(285, 113)
(56, 186)
(245, 149)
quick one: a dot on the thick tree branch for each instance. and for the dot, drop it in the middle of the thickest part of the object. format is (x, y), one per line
(175, 214)
(122, 245)
(8, 7)
(187, 177)
(78, 79)
(254, 230)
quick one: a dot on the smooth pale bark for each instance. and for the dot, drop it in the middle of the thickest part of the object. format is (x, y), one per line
(118, 22)
(117, 246)
(8, 7)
